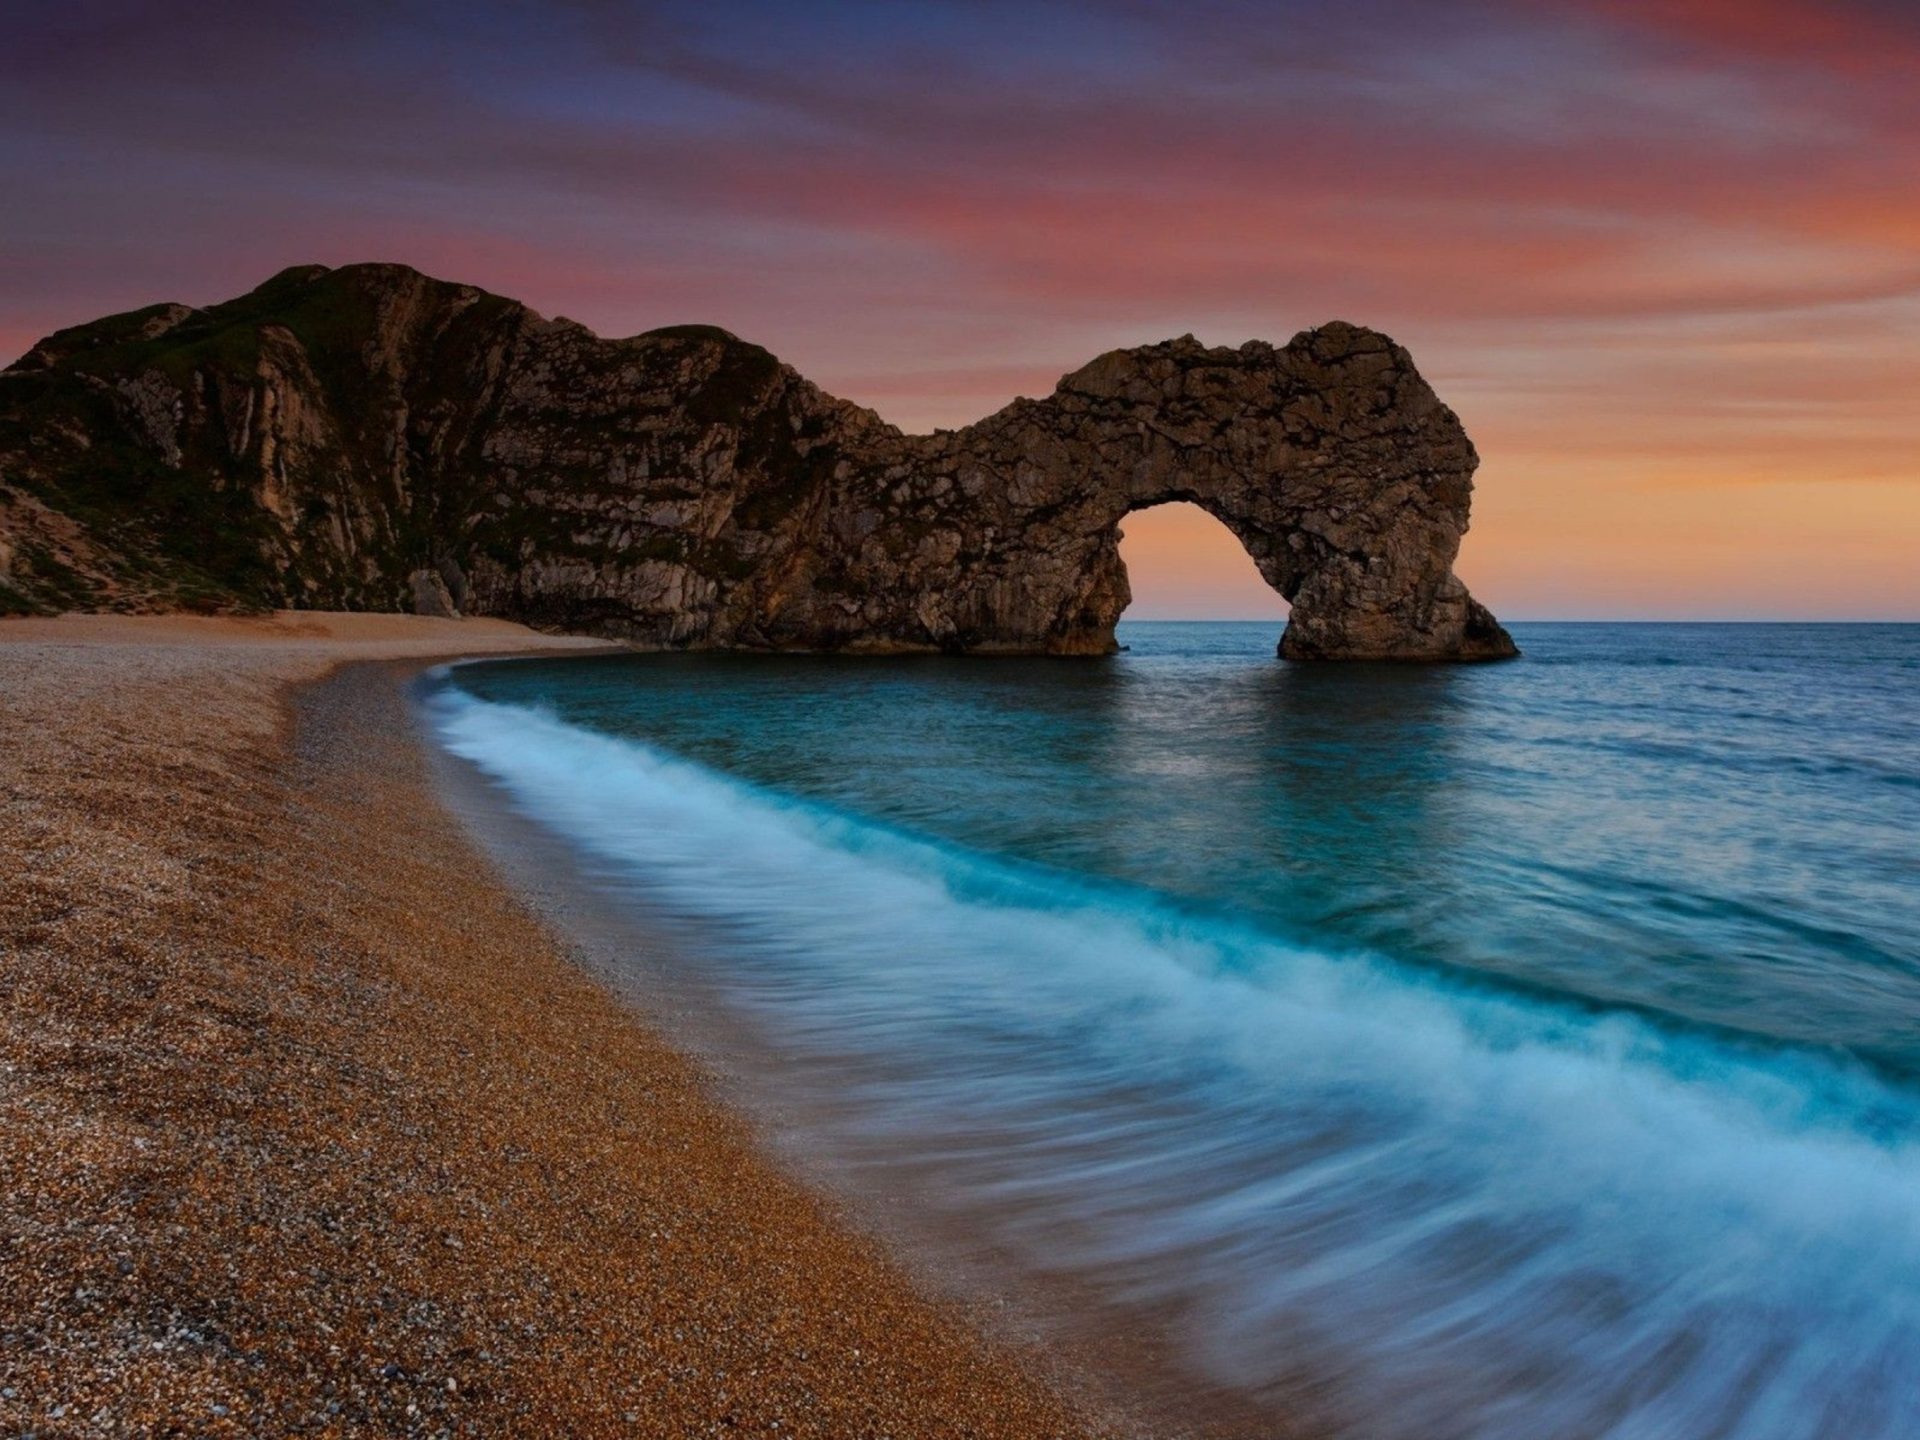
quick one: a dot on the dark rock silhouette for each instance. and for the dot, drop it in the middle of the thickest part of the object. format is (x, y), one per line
(369, 438)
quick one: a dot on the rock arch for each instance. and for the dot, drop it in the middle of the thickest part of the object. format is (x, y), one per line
(371, 438)
(1330, 459)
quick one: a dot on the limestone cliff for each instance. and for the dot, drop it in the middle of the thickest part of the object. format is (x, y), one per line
(369, 438)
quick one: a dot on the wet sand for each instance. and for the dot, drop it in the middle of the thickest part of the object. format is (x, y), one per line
(309, 1126)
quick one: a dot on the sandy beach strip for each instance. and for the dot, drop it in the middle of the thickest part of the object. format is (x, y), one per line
(308, 1126)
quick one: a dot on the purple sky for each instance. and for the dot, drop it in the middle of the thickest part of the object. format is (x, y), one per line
(1663, 259)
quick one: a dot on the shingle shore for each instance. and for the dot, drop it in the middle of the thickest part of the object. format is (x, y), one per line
(307, 1127)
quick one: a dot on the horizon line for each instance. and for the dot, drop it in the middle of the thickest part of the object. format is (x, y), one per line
(1551, 620)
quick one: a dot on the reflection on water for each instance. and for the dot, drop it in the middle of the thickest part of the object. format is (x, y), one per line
(1496, 1051)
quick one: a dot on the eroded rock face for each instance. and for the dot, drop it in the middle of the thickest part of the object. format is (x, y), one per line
(370, 438)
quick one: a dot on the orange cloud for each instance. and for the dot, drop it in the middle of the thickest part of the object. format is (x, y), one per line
(1663, 259)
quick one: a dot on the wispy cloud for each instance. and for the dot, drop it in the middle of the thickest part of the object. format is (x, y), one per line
(1646, 249)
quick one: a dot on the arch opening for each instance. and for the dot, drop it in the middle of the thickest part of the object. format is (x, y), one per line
(1183, 563)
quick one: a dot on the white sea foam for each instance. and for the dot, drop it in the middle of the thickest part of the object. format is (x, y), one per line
(1467, 1212)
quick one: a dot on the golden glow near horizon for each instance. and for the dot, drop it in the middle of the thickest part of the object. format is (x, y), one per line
(1185, 565)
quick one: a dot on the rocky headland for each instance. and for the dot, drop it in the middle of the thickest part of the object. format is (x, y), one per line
(370, 438)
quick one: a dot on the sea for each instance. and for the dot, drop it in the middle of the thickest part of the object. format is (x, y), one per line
(1514, 1050)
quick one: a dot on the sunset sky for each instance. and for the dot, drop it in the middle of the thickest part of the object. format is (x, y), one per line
(1663, 259)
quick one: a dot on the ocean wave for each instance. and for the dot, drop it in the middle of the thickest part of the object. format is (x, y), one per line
(1454, 1211)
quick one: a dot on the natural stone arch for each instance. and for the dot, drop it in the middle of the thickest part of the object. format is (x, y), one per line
(370, 438)
(1330, 459)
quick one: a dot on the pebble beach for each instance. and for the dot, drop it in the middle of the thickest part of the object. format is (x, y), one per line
(308, 1126)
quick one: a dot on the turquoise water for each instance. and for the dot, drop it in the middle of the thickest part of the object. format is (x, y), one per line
(1490, 1051)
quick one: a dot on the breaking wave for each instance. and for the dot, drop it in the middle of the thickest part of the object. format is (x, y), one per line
(1398, 1200)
